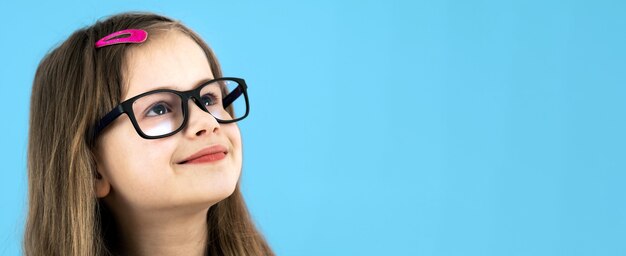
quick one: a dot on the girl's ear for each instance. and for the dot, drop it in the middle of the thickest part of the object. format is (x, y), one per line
(102, 186)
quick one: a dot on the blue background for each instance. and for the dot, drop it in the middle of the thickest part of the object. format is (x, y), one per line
(392, 127)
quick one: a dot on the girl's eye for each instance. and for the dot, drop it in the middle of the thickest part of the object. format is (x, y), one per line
(209, 99)
(158, 109)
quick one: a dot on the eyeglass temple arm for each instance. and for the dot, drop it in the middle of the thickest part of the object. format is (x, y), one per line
(106, 120)
(232, 96)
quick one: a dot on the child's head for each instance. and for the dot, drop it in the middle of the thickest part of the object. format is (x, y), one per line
(115, 135)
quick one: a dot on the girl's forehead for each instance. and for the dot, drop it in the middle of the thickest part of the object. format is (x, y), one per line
(169, 60)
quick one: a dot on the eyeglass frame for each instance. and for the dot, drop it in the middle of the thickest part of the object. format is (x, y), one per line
(126, 107)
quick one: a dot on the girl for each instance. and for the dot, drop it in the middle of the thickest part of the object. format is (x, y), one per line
(134, 147)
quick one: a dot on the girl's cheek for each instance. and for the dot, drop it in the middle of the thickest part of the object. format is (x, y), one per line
(234, 135)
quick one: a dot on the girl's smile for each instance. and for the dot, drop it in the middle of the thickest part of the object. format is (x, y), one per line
(207, 155)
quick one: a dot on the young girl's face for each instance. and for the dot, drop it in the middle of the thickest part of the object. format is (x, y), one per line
(140, 174)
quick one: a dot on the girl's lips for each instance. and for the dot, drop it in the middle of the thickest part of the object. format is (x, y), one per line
(209, 154)
(207, 158)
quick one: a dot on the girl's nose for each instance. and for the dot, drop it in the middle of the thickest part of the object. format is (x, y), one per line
(200, 122)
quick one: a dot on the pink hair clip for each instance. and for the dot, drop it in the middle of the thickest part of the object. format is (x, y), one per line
(131, 36)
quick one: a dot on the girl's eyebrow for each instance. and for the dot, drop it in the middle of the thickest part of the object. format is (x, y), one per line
(174, 87)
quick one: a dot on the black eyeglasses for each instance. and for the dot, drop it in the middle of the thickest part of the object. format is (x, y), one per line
(164, 112)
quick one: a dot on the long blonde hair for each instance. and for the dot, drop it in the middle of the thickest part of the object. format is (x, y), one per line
(74, 86)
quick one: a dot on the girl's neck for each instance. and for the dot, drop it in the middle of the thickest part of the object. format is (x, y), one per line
(163, 234)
